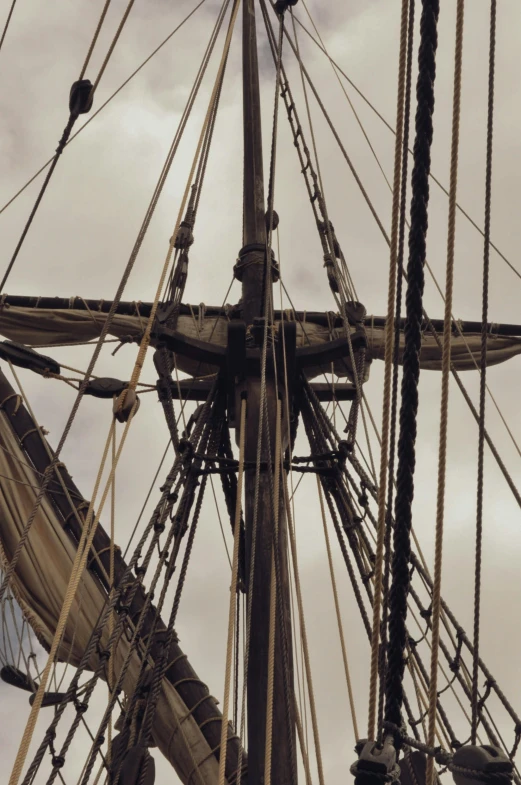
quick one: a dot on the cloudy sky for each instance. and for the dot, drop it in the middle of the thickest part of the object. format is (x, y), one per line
(81, 239)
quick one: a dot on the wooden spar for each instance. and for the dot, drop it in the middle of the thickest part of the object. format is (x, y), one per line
(192, 390)
(180, 673)
(315, 317)
(255, 276)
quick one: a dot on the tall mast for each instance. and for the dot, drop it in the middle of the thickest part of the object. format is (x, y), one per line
(255, 275)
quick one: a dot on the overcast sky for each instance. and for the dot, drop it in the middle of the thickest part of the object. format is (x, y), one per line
(82, 236)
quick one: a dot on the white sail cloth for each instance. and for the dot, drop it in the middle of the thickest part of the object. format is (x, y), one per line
(39, 585)
(51, 327)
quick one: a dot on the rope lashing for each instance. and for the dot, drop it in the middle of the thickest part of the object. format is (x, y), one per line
(411, 362)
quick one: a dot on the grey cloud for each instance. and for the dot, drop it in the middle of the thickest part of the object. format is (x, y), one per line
(83, 234)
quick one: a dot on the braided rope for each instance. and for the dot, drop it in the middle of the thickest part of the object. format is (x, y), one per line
(159, 515)
(445, 377)
(483, 376)
(74, 579)
(386, 412)
(300, 606)
(6, 25)
(80, 557)
(110, 316)
(95, 38)
(134, 379)
(107, 57)
(396, 352)
(411, 361)
(233, 591)
(273, 603)
(338, 614)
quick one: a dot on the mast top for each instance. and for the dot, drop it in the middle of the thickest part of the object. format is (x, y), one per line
(254, 225)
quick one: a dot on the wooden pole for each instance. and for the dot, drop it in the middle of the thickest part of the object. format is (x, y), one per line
(254, 280)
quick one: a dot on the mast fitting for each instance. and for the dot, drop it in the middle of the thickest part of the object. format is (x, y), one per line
(255, 254)
(281, 6)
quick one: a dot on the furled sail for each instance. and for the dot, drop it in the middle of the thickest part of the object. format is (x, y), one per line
(52, 327)
(39, 585)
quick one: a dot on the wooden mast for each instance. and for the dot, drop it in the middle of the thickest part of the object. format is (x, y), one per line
(251, 271)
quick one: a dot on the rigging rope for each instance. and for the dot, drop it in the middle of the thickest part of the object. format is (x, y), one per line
(78, 104)
(300, 606)
(263, 440)
(9, 15)
(386, 237)
(483, 376)
(394, 392)
(389, 343)
(338, 613)
(110, 316)
(233, 592)
(273, 601)
(411, 366)
(146, 337)
(445, 378)
(393, 131)
(95, 37)
(110, 680)
(77, 571)
(104, 104)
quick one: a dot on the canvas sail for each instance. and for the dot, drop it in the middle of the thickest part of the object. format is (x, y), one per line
(52, 327)
(39, 585)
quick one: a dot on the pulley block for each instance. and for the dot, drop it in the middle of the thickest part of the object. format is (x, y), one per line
(17, 678)
(124, 404)
(281, 6)
(80, 97)
(376, 763)
(355, 312)
(274, 220)
(475, 764)
(105, 387)
(24, 357)
(51, 699)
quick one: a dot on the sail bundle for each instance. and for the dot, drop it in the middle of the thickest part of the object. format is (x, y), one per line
(55, 326)
(39, 585)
